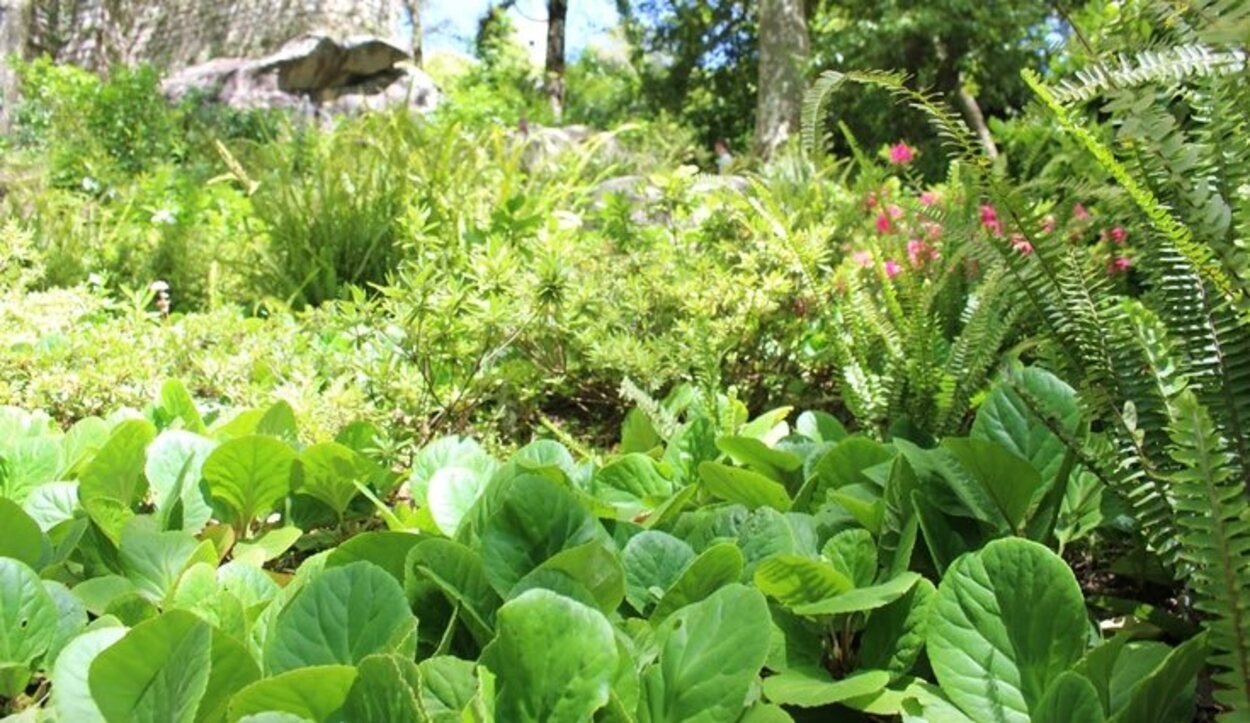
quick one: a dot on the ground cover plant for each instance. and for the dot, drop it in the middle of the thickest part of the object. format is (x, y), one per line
(919, 416)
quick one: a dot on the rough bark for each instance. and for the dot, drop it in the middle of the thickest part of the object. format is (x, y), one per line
(976, 120)
(412, 8)
(14, 20)
(783, 55)
(557, 13)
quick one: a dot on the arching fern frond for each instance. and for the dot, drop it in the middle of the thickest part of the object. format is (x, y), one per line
(1170, 64)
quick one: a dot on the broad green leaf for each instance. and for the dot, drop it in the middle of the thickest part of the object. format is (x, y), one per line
(766, 533)
(279, 421)
(635, 474)
(231, 669)
(594, 567)
(861, 599)
(769, 426)
(1004, 417)
(269, 546)
(275, 717)
(554, 659)
(315, 693)
(328, 472)
(157, 673)
(749, 452)
(98, 592)
(535, 519)
(174, 468)
(448, 452)
(250, 475)
(843, 465)
(993, 654)
(387, 689)
(112, 482)
(694, 442)
(813, 688)
(1166, 693)
(894, 635)
(27, 464)
(81, 442)
(458, 573)
(710, 654)
(1070, 699)
(153, 560)
(71, 693)
(447, 687)
(637, 433)
(544, 454)
(342, 616)
(714, 568)
(28, 617)
(388, 550)
(743, 486)
(794, 580)
(452, 492)
(70, 621)
(853, 553)
(1012, 484)
(653, 561)
(51, 504)
(820, 427)
(20, 539)
(176, 403)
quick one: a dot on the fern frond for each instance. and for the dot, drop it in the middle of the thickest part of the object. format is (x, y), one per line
(1160, 217)
(1170, 64)
(1215, 530)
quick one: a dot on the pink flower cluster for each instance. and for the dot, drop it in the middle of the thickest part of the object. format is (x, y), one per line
(901, 154)
(990, 221)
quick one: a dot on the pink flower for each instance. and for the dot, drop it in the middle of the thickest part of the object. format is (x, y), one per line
(870, 201)
(1119, 265)
(1118, 235)
(894, 211)
(892, 268)
(901, 154)
(883, 223)
(1079, 212)
(928, 198)
(932, 230)
(989, 219)
(863, 258)
(1049, 224)
(918, 252)
(1021, 244)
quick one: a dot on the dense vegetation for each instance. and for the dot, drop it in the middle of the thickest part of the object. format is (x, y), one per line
(464, 418)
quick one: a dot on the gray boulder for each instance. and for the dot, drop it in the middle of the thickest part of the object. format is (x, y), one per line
(314, 73)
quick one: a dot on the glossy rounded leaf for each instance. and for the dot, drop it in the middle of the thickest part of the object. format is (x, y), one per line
(342, 616)
(174, 468)
(71, 692)
(554, 659)
(250, 475)
(157, 673)
(993, 654)
(316, 694)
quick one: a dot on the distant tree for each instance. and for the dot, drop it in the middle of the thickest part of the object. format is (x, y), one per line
(783, 57)
(412, 9)
(557, 13)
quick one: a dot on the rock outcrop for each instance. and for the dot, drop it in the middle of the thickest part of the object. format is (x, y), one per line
(313, 72)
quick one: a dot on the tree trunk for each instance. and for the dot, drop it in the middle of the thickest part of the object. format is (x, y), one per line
(14, 28)
(975, 119)
(413, 9)
(783, 54)
(557, 12)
